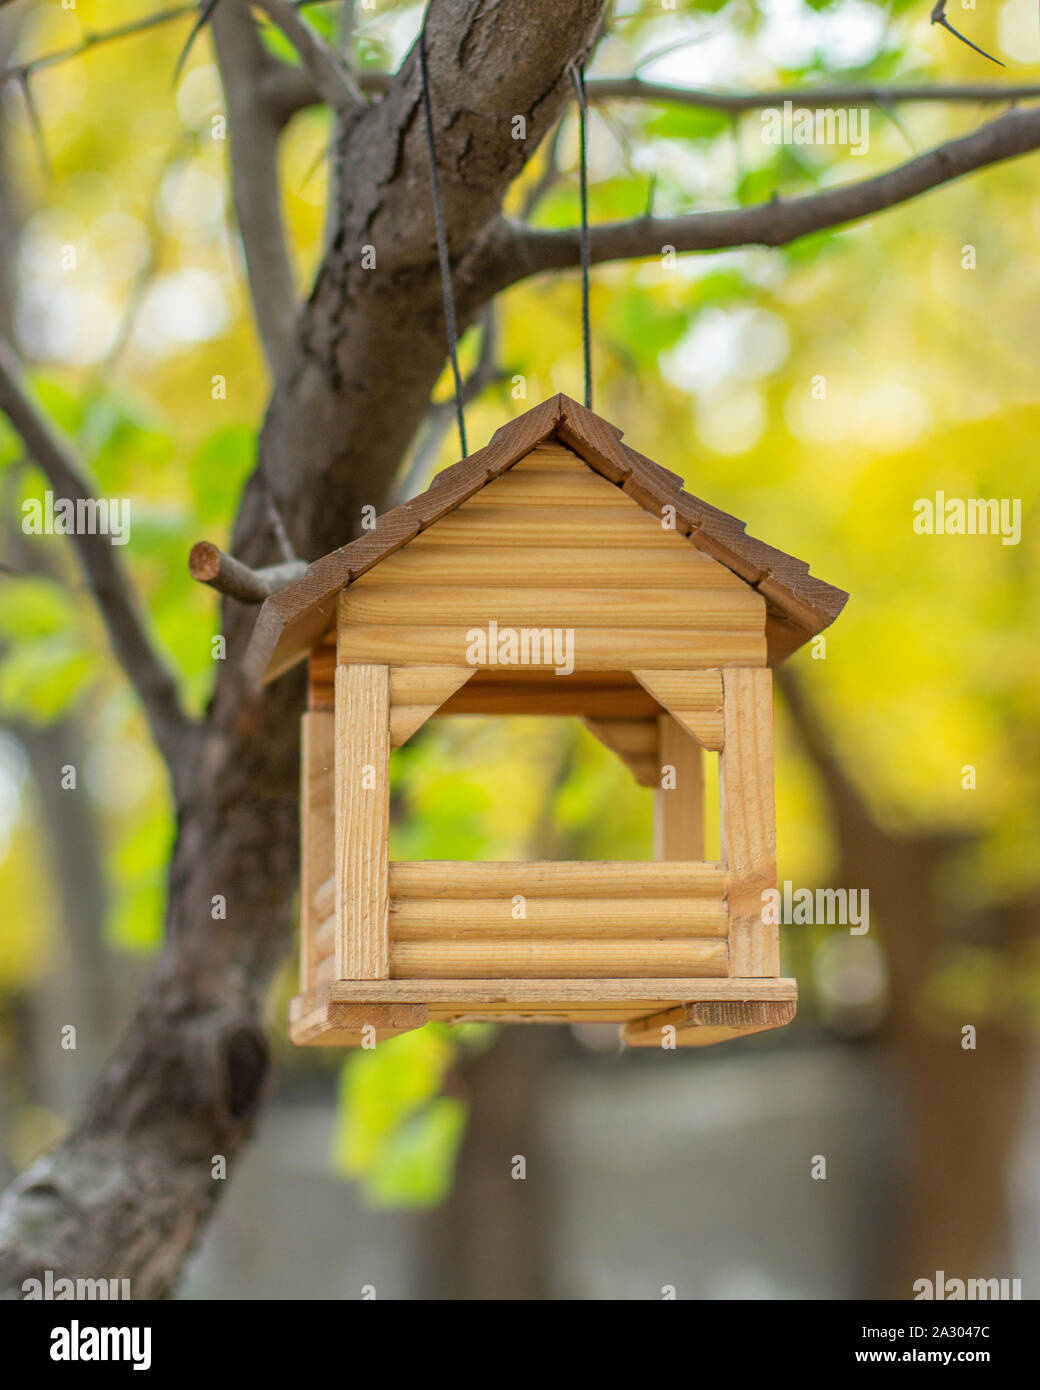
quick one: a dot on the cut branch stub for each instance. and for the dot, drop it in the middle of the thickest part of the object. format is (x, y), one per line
(210, 565)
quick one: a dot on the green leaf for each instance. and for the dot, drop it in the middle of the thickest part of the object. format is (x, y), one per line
(372, 53)
(396, 1133)
(278, 45)
(382, 1087)
(686, 123)
(39, 682)
(417, 1164)
(34, 607)
(322, 18)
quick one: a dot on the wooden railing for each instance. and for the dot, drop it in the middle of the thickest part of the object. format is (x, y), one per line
(461, 921)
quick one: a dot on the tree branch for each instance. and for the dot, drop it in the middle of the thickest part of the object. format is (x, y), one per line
(210, 565)
(290, 90)
(255, 131)
(111, 586)
(333, 80)
(518, 251)
(603, 89)
(131, 1185)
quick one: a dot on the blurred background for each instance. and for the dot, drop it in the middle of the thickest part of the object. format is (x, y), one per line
(908, 750)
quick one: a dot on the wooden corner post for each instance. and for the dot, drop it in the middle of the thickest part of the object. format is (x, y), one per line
(362, 944)
(679, 797)
(317, 864)
(748, 818)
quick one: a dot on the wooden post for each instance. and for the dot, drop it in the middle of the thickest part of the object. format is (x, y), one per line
(748, 822)
(362, 949)
(679, 809)
(316, 829)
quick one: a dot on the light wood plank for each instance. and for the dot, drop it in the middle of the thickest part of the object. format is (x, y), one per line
(417, 693)
(454, 879)
(552, 454)
(409, 685)
(557, 959)
(544, 527)
(595, 649)
(705, 1024)
(594, 919)
(317, 816)
(316, 1020)
(362, 822)
(570, 565)
(408, 721)
(416, 919)
(425, 685)
(503, 690)
(446, 878)
(459, 605)
(693, 698)
(627, 735)
(324, 899)
(748, 818)
(606, 695)
(586, 919)
(546, 486)
(603, 1013)
(649, 993)
(679, 808)
(346, 1025)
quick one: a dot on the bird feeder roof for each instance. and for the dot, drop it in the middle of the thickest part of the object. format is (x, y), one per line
(798, 605)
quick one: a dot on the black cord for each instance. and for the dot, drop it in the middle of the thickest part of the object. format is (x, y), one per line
(578, 78)
(442, 246)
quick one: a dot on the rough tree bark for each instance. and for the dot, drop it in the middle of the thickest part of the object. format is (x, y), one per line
(129, 1189)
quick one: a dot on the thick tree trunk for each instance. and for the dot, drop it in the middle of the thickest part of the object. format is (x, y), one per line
(128, 1191)
(130, 1188)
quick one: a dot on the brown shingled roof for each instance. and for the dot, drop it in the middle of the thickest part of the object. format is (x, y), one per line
(797, 604)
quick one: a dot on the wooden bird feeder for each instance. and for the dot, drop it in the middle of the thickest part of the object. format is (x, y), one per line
(460, 602)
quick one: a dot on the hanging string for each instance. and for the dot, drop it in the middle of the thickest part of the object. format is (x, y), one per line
(578, 78)
(442, 246)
